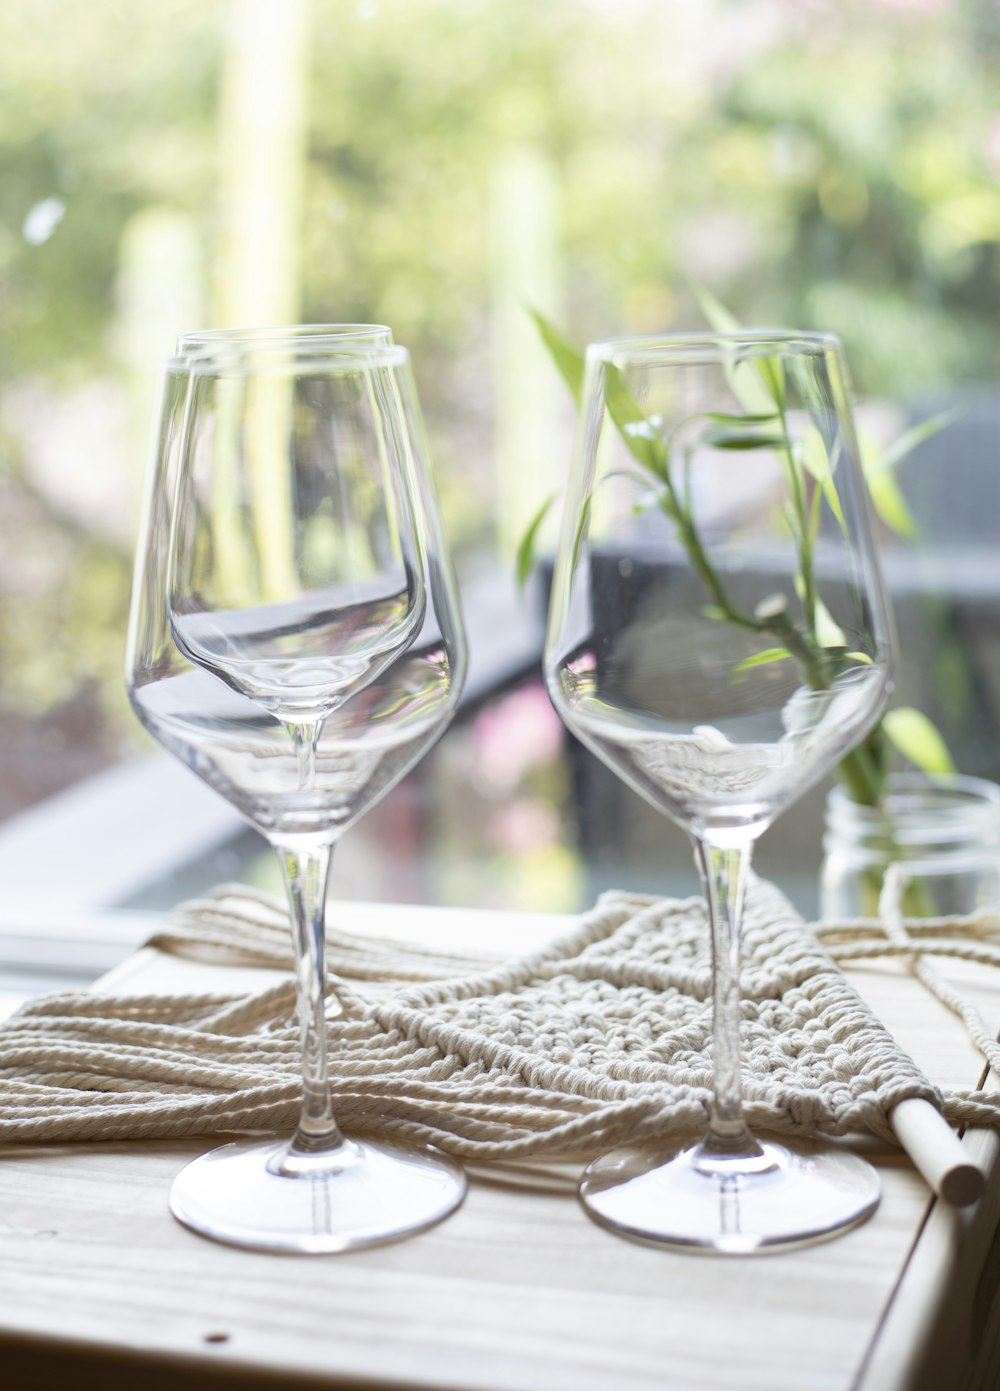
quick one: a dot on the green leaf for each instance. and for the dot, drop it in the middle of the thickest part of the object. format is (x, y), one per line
(870, 453)
(749, 386)
(815, 459)
(772, 374)
(623, 408)
(812, 529)
(862, 657)
(760, 659)
(826, 630)
(581, 527)
(637, 431)
(567, 357)
(918, 739)
(588, 505)
(889, 503)
(757, 383)
(721, 418)
(829, 633)
(878, 465)
(887, 499)
(526, 548)
(715, 312)
(743, 439)
(908, 441)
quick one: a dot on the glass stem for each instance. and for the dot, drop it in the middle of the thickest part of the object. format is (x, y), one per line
(306, 868)
(727, 1140)
(305, 737)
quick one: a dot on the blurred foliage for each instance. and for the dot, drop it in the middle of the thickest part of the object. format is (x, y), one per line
(106, 107)
(832, 163)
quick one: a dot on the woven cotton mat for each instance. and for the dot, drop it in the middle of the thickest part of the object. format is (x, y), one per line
(601, 1037)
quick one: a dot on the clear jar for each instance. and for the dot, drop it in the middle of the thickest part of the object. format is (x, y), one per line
(946, 833)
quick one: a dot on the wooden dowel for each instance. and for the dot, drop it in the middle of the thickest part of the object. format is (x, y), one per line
(937, 1152)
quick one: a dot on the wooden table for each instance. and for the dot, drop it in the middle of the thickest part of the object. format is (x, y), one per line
(519, 1290)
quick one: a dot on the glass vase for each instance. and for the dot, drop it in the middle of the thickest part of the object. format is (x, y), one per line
(945, 833)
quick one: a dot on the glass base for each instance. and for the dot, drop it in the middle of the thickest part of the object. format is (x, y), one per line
(799, 1192)
(361, 1194)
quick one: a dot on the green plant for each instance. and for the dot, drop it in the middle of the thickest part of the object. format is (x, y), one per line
(811, 638)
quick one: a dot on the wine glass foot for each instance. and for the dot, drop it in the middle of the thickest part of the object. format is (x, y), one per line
(809, 1192)
(365, 1194)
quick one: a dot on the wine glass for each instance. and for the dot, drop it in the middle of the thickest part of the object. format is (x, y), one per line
(147, 623)
(295, 639)
(719, 635)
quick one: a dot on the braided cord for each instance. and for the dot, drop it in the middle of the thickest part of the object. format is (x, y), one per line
(600, 1037)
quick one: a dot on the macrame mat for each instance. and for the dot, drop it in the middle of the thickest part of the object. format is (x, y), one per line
(601, 1037)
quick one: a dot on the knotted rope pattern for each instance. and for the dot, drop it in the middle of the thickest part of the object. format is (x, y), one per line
(601, 1037)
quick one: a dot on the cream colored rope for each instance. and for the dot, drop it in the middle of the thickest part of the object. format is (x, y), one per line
(973, 938)
(600, 1037)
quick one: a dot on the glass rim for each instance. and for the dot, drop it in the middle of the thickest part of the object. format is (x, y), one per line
(211, 339)
(708, 345)
(961, 795)
(286, 357)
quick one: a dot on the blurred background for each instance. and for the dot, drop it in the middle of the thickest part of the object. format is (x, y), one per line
(437, 165)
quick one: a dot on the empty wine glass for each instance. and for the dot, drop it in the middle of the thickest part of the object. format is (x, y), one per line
(296, 640)
(719, 635)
